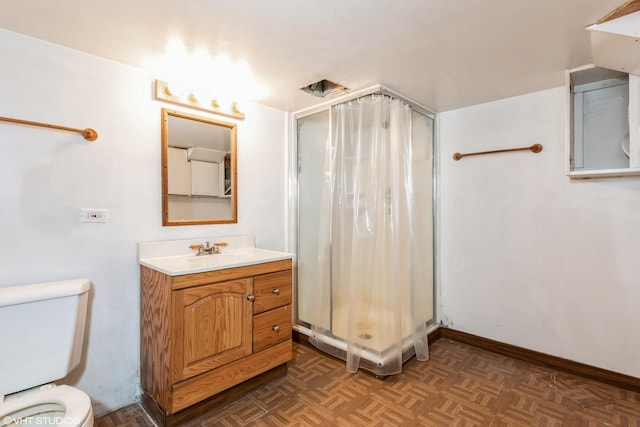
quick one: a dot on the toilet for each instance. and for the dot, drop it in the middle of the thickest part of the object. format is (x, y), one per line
(42, 332)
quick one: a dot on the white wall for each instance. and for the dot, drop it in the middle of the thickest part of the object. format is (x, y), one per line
(530, 257)
(46, 176)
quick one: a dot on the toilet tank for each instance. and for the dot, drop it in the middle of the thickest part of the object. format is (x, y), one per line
(41, 332)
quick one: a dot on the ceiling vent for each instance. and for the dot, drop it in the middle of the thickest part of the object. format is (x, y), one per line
(324, 88)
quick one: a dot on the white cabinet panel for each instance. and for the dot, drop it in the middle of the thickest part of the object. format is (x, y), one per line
(178, 174)
(603, 106)
(205, 178)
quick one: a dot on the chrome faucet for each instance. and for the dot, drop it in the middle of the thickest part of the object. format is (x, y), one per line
(208, 250)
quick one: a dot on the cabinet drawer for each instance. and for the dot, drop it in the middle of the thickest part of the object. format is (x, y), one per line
(271, 327)
(272, 290)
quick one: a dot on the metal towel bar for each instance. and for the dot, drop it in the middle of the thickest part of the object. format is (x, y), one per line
(535, 148)
(88, 134)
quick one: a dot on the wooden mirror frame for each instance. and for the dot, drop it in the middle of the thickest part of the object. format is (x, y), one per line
(166, 221)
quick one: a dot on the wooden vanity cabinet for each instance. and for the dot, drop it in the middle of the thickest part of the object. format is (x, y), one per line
(204, 333)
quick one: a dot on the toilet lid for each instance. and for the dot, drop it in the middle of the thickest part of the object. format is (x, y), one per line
(76, 404)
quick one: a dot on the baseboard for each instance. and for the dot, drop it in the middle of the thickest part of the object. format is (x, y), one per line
(564, 365)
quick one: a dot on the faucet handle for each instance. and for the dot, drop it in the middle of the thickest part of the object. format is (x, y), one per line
(217, 246)
(198, 247)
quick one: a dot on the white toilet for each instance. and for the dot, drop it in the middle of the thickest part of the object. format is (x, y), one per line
(41, 334)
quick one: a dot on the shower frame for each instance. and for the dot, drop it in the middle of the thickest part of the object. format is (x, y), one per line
(294, 197)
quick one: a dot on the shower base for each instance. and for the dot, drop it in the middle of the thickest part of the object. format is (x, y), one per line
(371, 360)
(369, 328)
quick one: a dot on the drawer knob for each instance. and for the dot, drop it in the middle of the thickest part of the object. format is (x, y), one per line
(275, 291)
(275, 328)
(251, 297)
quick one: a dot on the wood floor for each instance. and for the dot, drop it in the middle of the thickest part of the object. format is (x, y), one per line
(460, 386)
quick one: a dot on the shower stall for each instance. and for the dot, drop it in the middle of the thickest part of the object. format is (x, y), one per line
(363, 197)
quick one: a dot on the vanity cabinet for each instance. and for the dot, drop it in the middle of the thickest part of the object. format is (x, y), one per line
(204, 333)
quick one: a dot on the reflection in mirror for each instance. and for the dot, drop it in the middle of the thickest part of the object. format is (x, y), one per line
(198, 170)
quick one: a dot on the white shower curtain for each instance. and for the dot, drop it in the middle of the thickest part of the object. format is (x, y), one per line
(370, 274)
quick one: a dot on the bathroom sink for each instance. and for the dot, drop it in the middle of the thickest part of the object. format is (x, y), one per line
(188, 264)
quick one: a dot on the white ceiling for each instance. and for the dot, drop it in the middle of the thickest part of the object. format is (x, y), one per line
(444, 54)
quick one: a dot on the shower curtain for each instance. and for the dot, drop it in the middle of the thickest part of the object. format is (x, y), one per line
(369, 273)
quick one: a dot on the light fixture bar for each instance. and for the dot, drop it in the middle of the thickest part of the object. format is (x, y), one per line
(163, 93)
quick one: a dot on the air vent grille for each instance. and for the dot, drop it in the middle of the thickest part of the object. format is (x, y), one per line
(324, 88)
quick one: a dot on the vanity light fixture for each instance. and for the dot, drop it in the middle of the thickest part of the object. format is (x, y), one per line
(191, 100)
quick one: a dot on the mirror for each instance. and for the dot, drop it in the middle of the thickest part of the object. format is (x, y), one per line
(199, 171)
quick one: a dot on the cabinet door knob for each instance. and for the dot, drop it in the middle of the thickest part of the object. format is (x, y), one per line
(251, 297)
(275, 328)
(275, 291)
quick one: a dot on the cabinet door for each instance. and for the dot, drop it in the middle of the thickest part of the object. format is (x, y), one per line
(212, 326)
(205, 179)
(178, 175)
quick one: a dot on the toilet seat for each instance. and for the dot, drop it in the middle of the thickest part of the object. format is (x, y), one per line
(75, 403)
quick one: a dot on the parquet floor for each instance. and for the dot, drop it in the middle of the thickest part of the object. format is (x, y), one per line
(460, 386)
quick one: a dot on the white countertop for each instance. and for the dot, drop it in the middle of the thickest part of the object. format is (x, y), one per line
(189, 264)
(175, 258)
